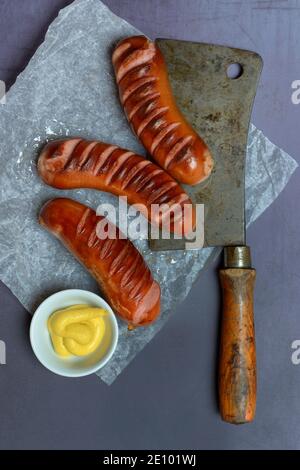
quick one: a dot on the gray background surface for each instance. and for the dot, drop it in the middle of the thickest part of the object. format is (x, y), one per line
(166, 398)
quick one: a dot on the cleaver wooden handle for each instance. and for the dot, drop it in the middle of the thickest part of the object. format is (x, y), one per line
(237, 368)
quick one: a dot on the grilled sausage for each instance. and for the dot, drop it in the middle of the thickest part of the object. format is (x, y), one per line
(146, 96)
(116, 264)
(78, 163)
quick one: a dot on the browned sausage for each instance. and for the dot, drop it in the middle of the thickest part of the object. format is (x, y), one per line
(116, 264)
(147, 98)
(78, 163)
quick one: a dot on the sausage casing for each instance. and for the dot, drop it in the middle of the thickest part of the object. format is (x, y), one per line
(79, 163)
(116, 264)
(146, 95)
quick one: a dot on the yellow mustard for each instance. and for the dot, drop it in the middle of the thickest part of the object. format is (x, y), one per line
(77, 330)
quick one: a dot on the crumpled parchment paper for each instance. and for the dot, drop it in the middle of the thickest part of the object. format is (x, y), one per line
(68, 89)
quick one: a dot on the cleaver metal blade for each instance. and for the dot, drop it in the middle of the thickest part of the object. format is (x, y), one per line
(219, 109)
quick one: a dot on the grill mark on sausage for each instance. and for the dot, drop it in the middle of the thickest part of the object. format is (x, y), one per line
(70, 152)
(102, 158)
(150, 100)
(177, 147)
(146, 185)
(135, 292)
(73, 155)
(80, 229)
(134, 172)
(164, 199)
(91, 159)
(137, 274)
(127, 276)
(109, 163)
(134, 59)
(136, 271)
(179, 199)
(141, 71)
(162, 134)
(106, 248)
(142, 179)
(117, 261)
(178, 202)
(93, 239)
(155, 114)
(184, 154)
(121, 161)
(139, 94)
(148, 107)
(156, 195)
(122, 266)
(119, 51)
(125, 169)
(135, 86)
(80, 161)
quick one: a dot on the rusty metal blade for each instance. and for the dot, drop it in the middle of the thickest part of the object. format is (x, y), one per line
(219, 109)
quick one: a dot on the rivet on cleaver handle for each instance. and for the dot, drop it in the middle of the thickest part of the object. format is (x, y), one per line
(219, 109)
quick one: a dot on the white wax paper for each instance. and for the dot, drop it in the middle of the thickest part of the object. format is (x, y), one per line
(68, 89)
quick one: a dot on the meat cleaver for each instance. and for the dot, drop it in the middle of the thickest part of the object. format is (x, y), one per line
(218, 104)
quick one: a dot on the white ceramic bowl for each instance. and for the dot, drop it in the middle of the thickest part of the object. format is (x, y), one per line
(41, 341)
